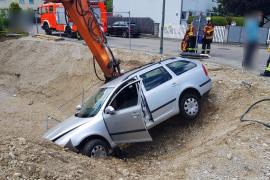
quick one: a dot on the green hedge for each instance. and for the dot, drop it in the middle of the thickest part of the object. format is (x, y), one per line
(240, 21)
(223, 21)
(3, 23)
(219, 21)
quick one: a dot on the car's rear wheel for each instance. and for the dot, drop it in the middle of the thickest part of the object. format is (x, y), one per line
(124, 34)
(68, 32)
(190, 106)
(96, 148)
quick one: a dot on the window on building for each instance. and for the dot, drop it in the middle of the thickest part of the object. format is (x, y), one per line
(21, 1)
(31, 1)
(184, 15)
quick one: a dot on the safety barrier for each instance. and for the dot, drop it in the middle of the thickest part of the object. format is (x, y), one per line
(178, 32)
(175, 31)
(220, 34)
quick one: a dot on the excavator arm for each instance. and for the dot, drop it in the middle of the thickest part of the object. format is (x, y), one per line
(83, 17)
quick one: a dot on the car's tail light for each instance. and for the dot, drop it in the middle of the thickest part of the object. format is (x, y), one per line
(205, 70)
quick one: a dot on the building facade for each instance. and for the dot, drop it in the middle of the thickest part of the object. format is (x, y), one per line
(25, 4)
(153, 9)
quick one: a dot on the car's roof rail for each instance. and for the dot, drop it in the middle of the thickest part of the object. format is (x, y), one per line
(145, 66)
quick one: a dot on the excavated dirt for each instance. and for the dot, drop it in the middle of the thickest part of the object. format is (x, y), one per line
(42, 80)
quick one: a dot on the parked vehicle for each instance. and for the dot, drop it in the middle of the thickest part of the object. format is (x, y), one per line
(52, 16)
(124, 109)
(122, 29)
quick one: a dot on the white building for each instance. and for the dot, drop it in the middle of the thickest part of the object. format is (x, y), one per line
(25, 4)
(153, 9)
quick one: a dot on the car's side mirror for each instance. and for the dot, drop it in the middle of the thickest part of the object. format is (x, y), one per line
(78, 108)
(110, 110)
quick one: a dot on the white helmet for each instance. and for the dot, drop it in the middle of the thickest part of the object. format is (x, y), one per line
(208, 18)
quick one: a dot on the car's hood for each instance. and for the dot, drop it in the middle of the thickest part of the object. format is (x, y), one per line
(65, 127)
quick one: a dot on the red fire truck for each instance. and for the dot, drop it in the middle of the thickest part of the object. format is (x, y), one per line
(53, 18)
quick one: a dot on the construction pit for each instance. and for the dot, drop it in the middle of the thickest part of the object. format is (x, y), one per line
(41, 81)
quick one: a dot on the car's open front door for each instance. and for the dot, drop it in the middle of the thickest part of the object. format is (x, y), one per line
(124, 116)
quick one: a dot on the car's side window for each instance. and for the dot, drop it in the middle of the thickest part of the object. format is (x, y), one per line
(155, 78)
(179, 67)
(122, 24)
(128, 97)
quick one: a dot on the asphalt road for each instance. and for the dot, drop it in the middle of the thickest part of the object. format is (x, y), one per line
(220, 53)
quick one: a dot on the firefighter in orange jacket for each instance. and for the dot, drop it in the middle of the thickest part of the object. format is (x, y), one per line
(184, 44)
(191, 34)
(207, 37)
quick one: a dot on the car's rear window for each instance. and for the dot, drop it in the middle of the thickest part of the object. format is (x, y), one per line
(155, 78)
(179, 67)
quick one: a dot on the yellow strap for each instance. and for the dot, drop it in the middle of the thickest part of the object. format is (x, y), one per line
(268, 68)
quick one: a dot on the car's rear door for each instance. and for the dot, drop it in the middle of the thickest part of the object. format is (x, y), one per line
(127, 124)
(160, 90)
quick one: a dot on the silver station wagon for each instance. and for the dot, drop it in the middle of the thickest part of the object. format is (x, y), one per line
(124, 109)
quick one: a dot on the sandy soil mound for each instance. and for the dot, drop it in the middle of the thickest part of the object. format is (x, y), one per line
(40, 78)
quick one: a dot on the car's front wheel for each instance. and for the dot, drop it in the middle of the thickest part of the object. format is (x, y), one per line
(47, 29)
(190, 106)
(96, 148)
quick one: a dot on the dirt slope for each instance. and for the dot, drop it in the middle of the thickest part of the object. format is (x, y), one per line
(39, 78)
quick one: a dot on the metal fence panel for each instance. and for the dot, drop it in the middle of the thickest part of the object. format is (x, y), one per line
(237, 34)
(234, 34)
(263, 35)
(268, 39)
(145, 25)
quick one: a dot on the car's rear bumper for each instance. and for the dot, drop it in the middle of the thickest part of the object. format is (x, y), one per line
(206, 87)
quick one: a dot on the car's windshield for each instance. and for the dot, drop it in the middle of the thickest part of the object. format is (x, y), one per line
(93, 104)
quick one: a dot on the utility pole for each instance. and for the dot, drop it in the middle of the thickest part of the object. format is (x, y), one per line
(162, 27)
(181, 11)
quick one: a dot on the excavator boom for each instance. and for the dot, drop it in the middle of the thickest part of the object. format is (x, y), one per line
(83, 16)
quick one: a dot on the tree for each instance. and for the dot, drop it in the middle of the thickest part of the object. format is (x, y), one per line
(109, 5)
(14, 7)
(242, 7)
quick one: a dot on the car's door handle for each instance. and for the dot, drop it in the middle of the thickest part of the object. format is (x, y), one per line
(135, 114)
(174, 84)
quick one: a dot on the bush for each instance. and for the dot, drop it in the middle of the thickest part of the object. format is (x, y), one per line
(229, 20)
(223, 21)
(14, 7)
(219, 21)
(240, 21)
(190, 19)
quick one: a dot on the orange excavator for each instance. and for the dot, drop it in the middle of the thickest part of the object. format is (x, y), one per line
(82, 14)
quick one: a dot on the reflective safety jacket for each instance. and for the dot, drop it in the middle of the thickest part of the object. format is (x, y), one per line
(208, 31)
(191, 31)
(184, 44)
